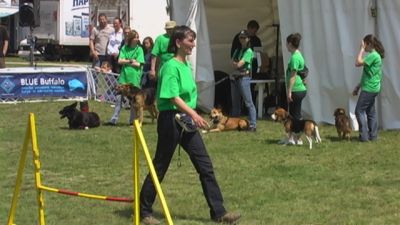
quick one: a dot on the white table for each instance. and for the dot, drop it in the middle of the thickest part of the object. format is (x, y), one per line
(260, 87)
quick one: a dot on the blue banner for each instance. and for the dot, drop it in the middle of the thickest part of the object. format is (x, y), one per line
(41, 84)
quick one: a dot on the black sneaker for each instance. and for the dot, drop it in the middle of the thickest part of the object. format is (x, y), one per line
(252, 129)
(186, 122)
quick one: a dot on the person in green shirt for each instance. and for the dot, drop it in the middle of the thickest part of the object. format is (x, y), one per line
(295, 88)
(131, 57)
(370, 86)
(160, 54)
(242, 59)
(177, 93)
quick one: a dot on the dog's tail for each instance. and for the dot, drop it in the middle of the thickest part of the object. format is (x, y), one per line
(317, 137)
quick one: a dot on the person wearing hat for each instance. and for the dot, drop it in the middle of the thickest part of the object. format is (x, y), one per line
(240, 80)
(160, 50)
(252, 29)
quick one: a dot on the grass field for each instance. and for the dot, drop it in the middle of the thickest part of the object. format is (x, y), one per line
(338, 182)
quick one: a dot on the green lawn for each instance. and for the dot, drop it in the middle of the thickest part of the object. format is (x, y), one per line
(337, 182)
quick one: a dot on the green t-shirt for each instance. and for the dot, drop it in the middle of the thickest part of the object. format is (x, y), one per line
(160, 49)
(372, 73)
(130, 74)
(176, 79)
(245, 55)
(296, 63)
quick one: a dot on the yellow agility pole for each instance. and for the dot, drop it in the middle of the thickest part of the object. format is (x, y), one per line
(36, 163)
(30, 135)
(139, 138)
(136, 183)
(18, 182)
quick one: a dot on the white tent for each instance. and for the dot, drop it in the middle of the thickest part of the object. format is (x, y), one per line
(332, 31)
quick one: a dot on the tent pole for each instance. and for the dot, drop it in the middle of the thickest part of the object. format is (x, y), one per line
(277, 85)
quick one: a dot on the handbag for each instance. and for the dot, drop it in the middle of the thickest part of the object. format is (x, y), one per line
(303, 73)
(186, 122)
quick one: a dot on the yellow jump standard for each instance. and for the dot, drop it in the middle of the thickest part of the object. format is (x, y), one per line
(138, 140)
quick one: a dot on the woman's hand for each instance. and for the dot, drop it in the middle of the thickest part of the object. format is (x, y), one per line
(362, 45)
(199, 121)
(289, 97)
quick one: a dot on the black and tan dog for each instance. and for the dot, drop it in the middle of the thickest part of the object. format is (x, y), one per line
(220, 122)
(342, 124)
(140, 100)
(294, 128)
(78, 119)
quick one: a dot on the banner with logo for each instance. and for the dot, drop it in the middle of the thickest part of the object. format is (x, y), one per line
(43, 84)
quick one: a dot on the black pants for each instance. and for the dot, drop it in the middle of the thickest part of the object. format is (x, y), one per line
(169, 135)
(295, 105)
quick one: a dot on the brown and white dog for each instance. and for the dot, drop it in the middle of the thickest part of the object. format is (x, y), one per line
(342, 123)
(140, 100)
(295, 128)
(220, 122)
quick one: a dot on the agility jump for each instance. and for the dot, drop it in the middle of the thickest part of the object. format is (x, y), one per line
(138, 140)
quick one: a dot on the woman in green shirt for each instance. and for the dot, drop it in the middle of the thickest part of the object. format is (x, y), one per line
(131, 57)
(177, 93)
(295, 88)
(240, 81)
(370, 86)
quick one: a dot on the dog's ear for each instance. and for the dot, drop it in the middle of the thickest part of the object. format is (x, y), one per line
(73, 105)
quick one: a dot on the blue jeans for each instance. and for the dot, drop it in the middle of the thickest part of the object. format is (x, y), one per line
(117, 111)
(240, 88)
(366, 116)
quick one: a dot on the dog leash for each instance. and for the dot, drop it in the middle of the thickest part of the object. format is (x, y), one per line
(179, 163)
(215, 84)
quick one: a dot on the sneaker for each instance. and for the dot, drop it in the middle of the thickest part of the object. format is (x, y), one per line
(252, 129)
(291, 142)
(186, 122)
(228, 218)
(299, 142)
(150, 220)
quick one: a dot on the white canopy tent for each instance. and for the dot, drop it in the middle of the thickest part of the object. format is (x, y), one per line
(332, 31)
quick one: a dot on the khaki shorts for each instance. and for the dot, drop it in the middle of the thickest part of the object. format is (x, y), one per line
(2, 62)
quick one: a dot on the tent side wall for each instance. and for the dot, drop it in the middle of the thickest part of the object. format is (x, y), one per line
(331, 35)
(388, 32)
